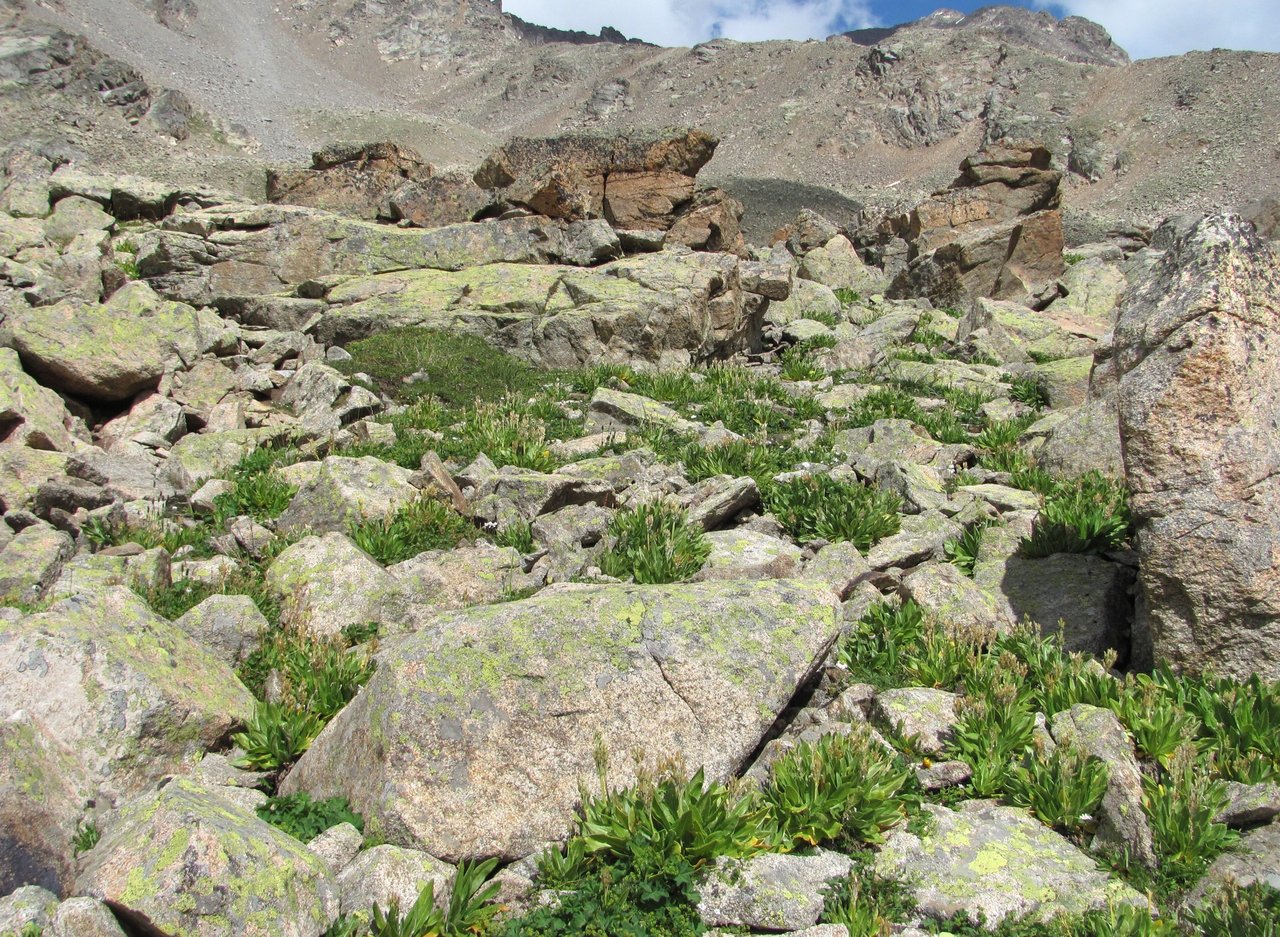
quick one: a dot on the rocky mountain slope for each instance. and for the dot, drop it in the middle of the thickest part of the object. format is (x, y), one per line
(866, 117)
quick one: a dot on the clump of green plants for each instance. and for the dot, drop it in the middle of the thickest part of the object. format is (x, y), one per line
(1181, 802)
(820, 507)
(867, 904)
(1249, 911)
(799, 362)
(993, 733)
(840, 786)
(258, 488)
(826, 316)
(877, 647)
(962, 552)
(1088, 514)
(172, 535)
(518, 536)
(126, 258)
(654, 543)
(318, 676)
(303, 818)
(884, 404)
(470, 908)
(86, 837)
(420, 525)
(846, 296)
(1063, 789)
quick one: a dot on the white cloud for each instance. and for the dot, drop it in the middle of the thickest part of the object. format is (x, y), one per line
(686, 22)
(1149, 28)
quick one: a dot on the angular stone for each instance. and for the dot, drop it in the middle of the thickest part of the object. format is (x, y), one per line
(746, 554)
(84, 917)
(325, 400)
(126, 690)
(337, 846)
(31, 906)
(1003, 498)
(840, 565)
(110, 351)
(230, 626)
(924, 712)
(984, 859)
(1080, 440)
(617, 410)
(181, 860)
(1256, 858)
(1084, 597)
(769, 892)
(1196, 347)
(713, 502)
(196, 458)
(387, 873)
(31, 562)
(30, 415)
(347, 491)
(23, 471)
(959, 605)
(71, 216)
(922, 537)
(464, 720)
(42, 798)
(516, 495)
(326, 583)
(1250, 804)
(470, 575)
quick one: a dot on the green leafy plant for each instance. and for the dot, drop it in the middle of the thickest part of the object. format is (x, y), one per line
(846, 296)
(86, 837)
(1029, 390)
(992, 732)
(876, 647)
(839, 784)
(962, 552)
(798, 363)
(317, 674)
(868, 905)
(262, 495)
(1181, 805)
(275, 736)
(469, 910)
(1249, 911)
(1086, 515)
(1062, 789)
(305, 819)
(820, 507)
(654, 543)
(518, 536)
(420, 525)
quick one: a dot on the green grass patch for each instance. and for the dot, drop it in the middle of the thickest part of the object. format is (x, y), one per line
(420, 525)
(819, 507)
(654, 543)
(303, 818)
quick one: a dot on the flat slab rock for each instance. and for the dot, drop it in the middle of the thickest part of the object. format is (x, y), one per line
(982, 858)
(472, 736)
(769, 892)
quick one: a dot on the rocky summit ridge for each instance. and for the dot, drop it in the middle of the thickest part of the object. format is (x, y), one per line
(491, 531)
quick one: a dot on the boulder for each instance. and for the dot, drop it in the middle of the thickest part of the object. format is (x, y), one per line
(515, 495)
(31, 415)
(84, 917)
(926, 713)
(611, 409)
(748, 554)
(711, 222)
(472, 575)
(1080, 439)
(473, 735)
(32, 561)
(112, 350)
(445, 198)
(346, 491)
(666, 309)
(356, 179)
(229, 626)
(1256, 858)
(181, 860)
(956, 601)
(769, 892)
(985, 859)
(326, 583)
(573, 176)
(29, 907)
(42, 798)
(387, 873)
(1196, 348)
(23, 471)
(836, 264)
(325, 400)
(127, 691)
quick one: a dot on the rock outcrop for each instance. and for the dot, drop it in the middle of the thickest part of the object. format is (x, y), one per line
(1196, 349)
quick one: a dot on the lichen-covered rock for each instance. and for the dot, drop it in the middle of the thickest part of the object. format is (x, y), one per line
(473, 734)
(127, 691)
(230, 626)
(769, 892)
(110, 351)
(337, 846)
(42, 796)
(346, 491)
(181, 860)
(748, 554)
(84, 917)
(611, 409)
(840, 566)
(325, 400)
(387, 873)
(1079, 439)
(97, 573)
(1122, 821)
(713, 502)
(515, 495)
(197, 457)
(325, 583)
(1250, 804)
(29, 906)
(23, 471)
(472, 575)
(31, 561)
(959, 605)
(984, 859)
(30, 414)
(1196, 347)
(922, 537)
(926, 713)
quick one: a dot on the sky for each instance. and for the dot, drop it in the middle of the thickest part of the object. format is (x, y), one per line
(1144, 28)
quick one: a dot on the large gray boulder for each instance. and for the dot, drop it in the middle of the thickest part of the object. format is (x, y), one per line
(473, 735)
(183, 860)
(31, 415)
(985, 859)
(127, 691)
(42, 796)
(110, 351)
(1197, 345)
